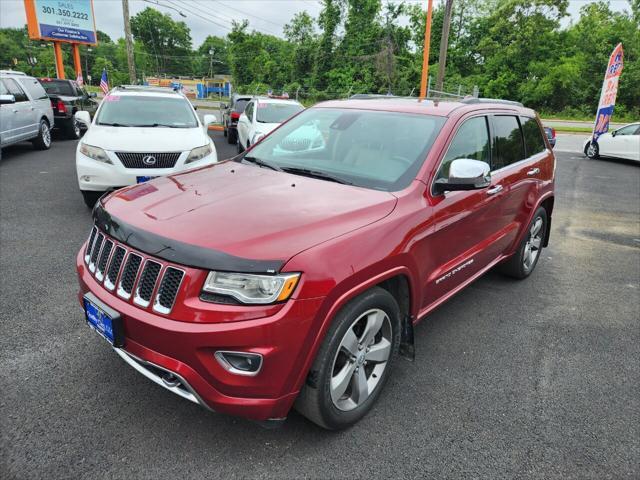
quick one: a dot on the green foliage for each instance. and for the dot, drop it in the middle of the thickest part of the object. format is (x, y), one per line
(522, 50)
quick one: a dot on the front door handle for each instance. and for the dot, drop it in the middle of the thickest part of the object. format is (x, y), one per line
(494, 190)
(533, 171)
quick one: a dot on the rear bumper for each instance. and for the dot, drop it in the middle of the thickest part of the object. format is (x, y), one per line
(155, 344)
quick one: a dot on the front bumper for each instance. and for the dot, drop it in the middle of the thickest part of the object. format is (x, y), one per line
(156, 344)
(98, 176)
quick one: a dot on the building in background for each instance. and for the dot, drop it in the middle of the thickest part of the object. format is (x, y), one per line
(218, 86)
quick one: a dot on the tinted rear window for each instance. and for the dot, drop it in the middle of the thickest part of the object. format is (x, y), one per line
(533, 140)
(508, 141)
(240, 105)
(58, 87)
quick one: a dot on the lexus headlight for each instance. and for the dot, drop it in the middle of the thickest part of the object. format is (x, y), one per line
(198, 153)
(252, 289)
(95, 152)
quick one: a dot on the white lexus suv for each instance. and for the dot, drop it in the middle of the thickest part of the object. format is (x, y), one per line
(139, 133)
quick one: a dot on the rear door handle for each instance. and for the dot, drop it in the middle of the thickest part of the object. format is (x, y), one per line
(533, 171)
(494, 190)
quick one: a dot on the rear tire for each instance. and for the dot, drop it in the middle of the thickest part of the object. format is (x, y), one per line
(72, 129)
(522, 263)
(232, 136)
(592, 151)
(90, 197)
(354, 361)
(43, 140)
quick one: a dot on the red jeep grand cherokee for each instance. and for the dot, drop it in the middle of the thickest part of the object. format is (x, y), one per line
(294, 273)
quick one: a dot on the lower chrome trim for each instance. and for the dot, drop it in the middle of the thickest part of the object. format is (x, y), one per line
(141, 366)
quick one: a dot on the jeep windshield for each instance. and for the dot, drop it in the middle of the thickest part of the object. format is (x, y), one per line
(371, 149)
(146, 111)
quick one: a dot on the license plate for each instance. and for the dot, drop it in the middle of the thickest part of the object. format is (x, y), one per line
(104, 320)
(144, 179)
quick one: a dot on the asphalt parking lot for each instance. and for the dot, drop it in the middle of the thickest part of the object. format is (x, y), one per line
(531, 379)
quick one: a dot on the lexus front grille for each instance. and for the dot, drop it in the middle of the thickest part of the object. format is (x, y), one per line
(148, 160)
(131, 275)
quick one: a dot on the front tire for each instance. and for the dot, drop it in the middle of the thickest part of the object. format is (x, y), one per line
(43, 140)
(232, 136)
(90, 197)
(354, 361)
(524, 261)
(592, 151)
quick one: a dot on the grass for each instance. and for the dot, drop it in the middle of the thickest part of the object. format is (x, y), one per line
(563, 129)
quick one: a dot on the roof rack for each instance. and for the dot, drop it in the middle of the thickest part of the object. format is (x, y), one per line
(12, 72)
(475, 100)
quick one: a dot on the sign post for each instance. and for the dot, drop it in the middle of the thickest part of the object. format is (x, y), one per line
(62, 21)
(609, 93)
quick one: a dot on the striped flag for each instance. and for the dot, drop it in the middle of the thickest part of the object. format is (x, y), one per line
(104, 82)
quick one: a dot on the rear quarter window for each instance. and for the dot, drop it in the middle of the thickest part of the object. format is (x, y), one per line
(533, 141)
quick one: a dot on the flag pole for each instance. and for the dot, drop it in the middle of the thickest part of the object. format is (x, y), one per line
(425, 53)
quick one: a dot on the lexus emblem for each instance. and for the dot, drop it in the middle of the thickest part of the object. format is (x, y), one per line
(149, 160)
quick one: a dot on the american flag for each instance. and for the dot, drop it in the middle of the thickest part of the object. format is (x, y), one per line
(104, 82)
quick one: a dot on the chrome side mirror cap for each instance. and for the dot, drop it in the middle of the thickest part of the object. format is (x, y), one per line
(465, 174)
(7, 99)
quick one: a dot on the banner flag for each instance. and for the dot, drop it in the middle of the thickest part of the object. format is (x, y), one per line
(609, 93)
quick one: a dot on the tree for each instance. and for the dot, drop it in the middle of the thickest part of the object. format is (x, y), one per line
(301, 34)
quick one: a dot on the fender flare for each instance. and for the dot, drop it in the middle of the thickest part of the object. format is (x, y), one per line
(521, 235)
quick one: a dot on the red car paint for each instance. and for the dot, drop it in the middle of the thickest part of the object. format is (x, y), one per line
(344, 240)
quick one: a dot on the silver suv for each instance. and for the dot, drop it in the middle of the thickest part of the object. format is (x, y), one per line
(25, 111)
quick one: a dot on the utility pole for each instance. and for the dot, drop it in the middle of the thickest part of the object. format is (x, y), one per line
(444, 44)
(425, 53)
(129, 42)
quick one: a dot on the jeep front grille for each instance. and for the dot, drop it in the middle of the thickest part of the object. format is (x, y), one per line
(132, 275)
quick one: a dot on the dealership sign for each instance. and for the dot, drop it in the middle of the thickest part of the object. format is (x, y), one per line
(61, 20)
(609, 92)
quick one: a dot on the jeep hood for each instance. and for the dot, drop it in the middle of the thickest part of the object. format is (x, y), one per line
(246, 211)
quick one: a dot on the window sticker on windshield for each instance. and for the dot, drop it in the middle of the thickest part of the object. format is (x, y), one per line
(112, 98)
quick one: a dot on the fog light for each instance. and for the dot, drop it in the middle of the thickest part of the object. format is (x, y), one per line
(240, 363)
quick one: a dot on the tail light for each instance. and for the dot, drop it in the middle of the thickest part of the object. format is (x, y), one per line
(553, 133)
(61, 107)
(235, 115)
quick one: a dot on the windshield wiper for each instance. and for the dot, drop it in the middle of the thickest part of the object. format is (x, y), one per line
(157, 125)
(113, 124)
(262, 163)
(316, 174)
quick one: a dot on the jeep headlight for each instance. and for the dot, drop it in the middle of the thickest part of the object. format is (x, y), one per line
(250, 288)
(198, 153)
(95, 152)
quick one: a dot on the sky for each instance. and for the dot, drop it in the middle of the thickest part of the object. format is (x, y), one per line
(213, 17)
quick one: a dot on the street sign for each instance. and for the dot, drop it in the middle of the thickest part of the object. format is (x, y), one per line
(69, 21)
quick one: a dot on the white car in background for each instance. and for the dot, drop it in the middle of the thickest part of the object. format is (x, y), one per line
(139, 133)
(261, 116)
(621, 143)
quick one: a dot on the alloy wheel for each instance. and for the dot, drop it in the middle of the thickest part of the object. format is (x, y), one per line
(46, 134)
(533, 245)
(361, 359)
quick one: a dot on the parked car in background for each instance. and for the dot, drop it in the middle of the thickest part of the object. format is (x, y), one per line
(623, 142)
(139, 133)
(25, 111)
(294, 274)
(261, 116)
(231, 114)
(551, 136)
(67, 98)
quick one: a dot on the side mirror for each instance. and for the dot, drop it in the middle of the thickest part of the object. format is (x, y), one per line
(223, 106)
(209, 119)
(93, 94)
(613, 133)
(465, 174)
(83, 117)
(7, 99)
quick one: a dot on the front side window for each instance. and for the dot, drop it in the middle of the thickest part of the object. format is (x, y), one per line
(628, 130)
(471, 141)
(371, 149)
(15, 90)
(276, 112)
(34, 89)
(146, 111)
(249, 111)
(240, 105)
(533, 140)
(509, 147)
